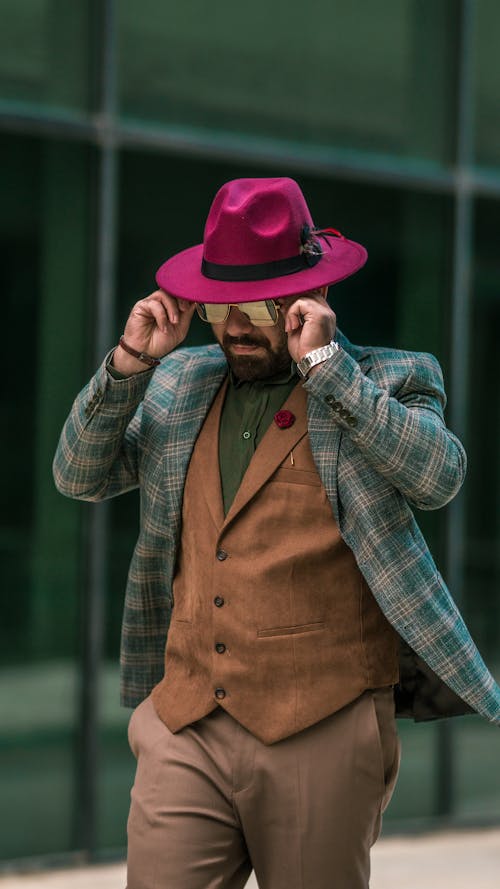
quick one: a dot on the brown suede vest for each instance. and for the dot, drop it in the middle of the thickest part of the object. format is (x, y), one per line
(272, 618)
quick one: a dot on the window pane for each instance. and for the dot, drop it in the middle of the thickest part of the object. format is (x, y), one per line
(415, 793)
(371, 76)
(478, 768)
(479, 763)
(483, 482)
(116, 763)
(43, 218)
(487, 85)
(43, 52)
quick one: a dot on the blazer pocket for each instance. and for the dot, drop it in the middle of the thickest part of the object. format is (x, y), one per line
(292, 631)
(296, 477)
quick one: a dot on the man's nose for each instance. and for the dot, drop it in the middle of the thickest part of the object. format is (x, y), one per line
(237, 322)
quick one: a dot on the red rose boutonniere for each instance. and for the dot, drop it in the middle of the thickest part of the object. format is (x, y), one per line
(284, 419)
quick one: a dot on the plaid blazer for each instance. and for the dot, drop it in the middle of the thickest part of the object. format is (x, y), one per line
(380, 444)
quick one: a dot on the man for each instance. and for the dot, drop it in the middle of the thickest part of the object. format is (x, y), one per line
(277, 470)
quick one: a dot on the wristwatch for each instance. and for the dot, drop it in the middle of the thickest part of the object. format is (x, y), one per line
(316, 357)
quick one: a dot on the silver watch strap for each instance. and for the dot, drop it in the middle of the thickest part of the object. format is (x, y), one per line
(316, 356)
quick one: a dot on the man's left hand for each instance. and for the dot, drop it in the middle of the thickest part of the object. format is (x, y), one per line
(309, 322)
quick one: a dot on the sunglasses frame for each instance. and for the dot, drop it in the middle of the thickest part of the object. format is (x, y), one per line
(200, 308)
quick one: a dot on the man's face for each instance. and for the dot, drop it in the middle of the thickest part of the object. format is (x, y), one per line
(253, 353)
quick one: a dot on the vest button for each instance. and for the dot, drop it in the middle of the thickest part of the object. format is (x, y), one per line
(221, 555)
(220, 647)
(220, 694)
(219, 601)
(247, 434)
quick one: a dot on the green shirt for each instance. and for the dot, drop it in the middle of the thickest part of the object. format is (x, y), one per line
(248, 411)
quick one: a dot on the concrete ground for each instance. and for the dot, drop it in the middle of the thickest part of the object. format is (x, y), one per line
(458, 860)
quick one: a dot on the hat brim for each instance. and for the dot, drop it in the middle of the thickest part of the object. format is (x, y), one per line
(181, 276)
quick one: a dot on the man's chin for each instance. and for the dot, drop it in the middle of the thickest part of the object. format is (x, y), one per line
(249, 367)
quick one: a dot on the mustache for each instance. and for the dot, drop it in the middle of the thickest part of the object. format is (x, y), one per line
(244, 340)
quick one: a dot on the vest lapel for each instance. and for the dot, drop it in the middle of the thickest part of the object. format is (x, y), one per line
(271, 451)
(206, 454)
(186, 414)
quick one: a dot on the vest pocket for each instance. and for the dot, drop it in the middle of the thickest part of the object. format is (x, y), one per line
(292, 631)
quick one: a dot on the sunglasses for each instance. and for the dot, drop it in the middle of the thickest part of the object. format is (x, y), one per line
(262, 314)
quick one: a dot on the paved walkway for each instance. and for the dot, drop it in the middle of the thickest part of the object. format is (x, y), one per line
(435, 861)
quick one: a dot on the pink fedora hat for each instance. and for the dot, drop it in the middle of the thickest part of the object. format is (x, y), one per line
(259, 242)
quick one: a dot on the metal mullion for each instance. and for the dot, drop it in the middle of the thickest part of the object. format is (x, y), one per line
(459, 365)
(97, 536)
(328, 161)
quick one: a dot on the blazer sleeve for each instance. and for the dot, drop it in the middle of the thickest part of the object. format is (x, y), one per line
(97, 453)
(398, 426)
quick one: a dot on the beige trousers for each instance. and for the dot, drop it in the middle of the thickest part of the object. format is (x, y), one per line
(211, 802)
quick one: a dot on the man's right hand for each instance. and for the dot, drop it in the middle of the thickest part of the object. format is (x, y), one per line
(156, 325)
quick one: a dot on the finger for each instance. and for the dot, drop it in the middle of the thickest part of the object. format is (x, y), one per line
(175, 306)
(185, 305)
(318, 293)
(158, 310)
(170, 304)
(171, 307)
(294, 316)
(147, 310)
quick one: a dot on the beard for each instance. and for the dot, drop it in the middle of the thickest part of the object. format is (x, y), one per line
(267, 363)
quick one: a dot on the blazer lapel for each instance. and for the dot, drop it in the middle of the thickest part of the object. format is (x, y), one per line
(271, 451)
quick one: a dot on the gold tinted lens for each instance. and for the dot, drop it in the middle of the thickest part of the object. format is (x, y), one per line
(214, 313)
(262, 314)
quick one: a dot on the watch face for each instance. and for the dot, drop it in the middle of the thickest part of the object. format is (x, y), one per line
(304, 365)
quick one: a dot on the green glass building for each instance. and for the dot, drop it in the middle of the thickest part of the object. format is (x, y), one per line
(119, 120)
